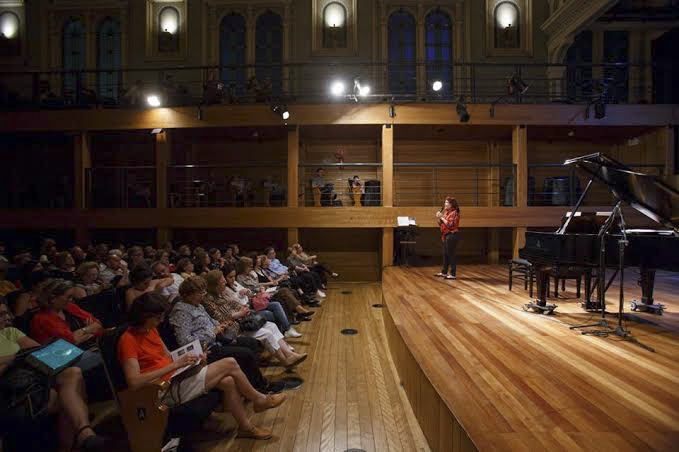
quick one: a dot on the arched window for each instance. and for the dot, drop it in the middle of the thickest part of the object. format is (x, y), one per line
(232, 52)
(168, 33)
(73, 57)
(10, 42)
(109, 59)
(439, 50)
(402, 53)
(269, 53)
(334, 26)
(507, 26)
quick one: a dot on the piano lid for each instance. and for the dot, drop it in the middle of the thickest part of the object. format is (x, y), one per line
(656, 198)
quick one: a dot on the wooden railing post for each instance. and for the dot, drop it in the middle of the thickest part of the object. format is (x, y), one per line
(163, 160)
(520, 160)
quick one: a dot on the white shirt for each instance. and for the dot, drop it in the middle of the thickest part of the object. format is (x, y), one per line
(242, 299)
(172, 291)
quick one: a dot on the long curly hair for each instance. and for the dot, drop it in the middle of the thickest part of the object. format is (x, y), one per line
(453, 202)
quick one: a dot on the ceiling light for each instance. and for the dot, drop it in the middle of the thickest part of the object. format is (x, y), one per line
(282, 111)
(437, 85)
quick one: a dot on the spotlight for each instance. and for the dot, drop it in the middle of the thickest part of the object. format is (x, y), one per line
(153, 100)
(516, 85)
(360, 90)
(437, 85)
(282, 111)
(337, 88)
(461, 109)
(156, 131)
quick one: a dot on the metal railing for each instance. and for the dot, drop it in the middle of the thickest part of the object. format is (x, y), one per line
(337, 184)
(421, 184)
(553, 184)
(310, 82)
(254, 184)
(121, 187)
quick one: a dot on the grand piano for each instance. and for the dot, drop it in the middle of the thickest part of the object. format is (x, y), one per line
(591, 243)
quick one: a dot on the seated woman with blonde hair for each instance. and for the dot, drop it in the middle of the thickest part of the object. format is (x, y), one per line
(87, 281)
(229, 312)
(145, 359)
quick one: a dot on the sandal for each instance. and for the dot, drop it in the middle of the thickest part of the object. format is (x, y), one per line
(94, 442)
(255, 433)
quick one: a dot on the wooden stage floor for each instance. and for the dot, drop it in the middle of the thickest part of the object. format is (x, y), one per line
(521, 381)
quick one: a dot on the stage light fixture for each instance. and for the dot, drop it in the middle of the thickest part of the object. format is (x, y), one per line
(337, 88)
(360, 90)
(153, 100)
(282, 111)
(437, 85)
(461, 109)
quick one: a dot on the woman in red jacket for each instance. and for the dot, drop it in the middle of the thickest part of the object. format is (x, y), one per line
(449, 223)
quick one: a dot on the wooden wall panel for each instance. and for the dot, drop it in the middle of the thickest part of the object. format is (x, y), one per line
(122, 148)
(248, 240)
(354, 254)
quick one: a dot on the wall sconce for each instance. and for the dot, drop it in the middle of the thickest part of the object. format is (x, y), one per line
(9, 25)
(169, 20)
(334, 15)
(506, 15)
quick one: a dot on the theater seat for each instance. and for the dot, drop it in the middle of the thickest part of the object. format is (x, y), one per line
(148, 424)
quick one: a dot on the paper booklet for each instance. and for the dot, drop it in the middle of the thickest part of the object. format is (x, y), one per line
(406, 221)
(193, 348)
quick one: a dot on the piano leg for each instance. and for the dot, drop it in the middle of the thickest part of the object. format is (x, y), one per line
(646, 282)
(540, 305)
(588, 304)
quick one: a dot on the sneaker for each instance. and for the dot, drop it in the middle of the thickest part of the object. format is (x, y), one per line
(320, 293)
(450, 277)
(292, 333)
(440, 275)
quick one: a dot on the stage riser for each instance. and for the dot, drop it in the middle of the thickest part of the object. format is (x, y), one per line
(440, 427)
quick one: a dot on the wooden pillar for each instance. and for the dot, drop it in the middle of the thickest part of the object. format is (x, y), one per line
(293, 236)
(293, 166)
(667, 139)
(520, 160)
(493, 200)
(163, 160)
(82, 161)
(388, 165)
(387, 247)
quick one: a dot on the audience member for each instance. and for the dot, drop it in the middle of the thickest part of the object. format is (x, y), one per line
(136, 257)
(6, 286)
(145, 358)
(78, 255)
(115, 267)
(162, 271)
(64, 266)
(185, 268)
(141, 282)
(88, 280)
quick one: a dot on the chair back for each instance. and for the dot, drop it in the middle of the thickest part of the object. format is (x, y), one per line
(108, 345)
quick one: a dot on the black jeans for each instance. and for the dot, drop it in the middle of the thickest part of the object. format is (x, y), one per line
(449, 258)
(244, 350)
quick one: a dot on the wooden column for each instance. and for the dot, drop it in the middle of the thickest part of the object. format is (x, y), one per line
(520, 160)
(493, 200)
(163, 160)
(293, 166)
(82, 162)
(293, 236)
(388, 165)
(667, 142)
(387, 247)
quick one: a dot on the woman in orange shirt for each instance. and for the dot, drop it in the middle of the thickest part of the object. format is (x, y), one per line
(449, 223)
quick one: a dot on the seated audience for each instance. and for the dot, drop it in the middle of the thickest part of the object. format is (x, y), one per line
(271, 310)
(185, 268)
(136, 257)
(22, 305)
(145, 359)
(288, 297)
(228, 256)
(87, 283)
(65, 266)
(141, 282)
(66, 397)
(150, 253)
(6, 286)
(115, 267)
(48, 252)
(201, 261)
(300, 277)
(216, 260)
(165, 258)
(183, 251)
(300, 259)
(230, 312)
(162, 271)
(78, 255)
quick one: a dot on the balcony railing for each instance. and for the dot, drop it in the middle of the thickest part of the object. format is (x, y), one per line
(243, 185)
(310, 82)
(553, 184)
(121, 187)
(339, 189)
(424, 184)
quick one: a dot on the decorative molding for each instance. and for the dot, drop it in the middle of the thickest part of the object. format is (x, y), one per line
(317, 8)
(525, 48)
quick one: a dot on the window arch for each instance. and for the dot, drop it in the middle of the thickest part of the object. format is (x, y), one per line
(402, 53)
(169, 29)
(73, 57)
(269, 52)
(439, 49)
(334, 26)
(109, 59)
(232, 52)
(507, 26)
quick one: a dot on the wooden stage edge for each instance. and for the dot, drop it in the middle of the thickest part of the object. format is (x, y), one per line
(482, 374)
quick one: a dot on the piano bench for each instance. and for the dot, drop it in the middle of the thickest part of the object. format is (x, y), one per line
(521, 269)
